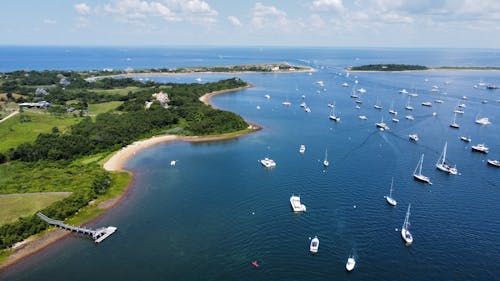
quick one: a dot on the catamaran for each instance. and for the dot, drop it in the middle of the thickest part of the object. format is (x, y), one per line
(405, 231)
(296, 205)
(314, 246)
(325, 162)
(442, 165)
(419, 176)
(391, 201)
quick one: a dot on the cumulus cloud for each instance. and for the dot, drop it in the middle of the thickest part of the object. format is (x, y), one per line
(234, 20)
(328, 5)
(264, 15)
(82, 8)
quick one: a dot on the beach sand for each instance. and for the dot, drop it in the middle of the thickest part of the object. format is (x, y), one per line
(116, 163)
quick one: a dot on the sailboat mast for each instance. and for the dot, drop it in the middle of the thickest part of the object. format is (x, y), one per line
(444, 152)
(421, 162)
(390, 192)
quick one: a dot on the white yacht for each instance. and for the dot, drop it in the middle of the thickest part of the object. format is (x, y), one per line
(395, 120)
(351, 263)
(308, 109)
(462, 105)
(286, 103)
(427, 103)
(382, 125)
(405, 229)
(458, 111)
(410, 117)
(483, 121)
(465, 139)
(362, 117)
(333, 116)
(314, 246)
(268, 163)
(302, 148)
(419, 176)
(296, 205)
(267, 96)
(303, 104)
(442, 165)
(345, 84)
(362, 91)
(480, 148)
(403, 91)
(439, 101)
(495, 163)
(391, 201)
(414, 137)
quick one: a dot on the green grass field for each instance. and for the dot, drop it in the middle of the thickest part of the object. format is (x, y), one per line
(14, 132)
(21, 205)
(118, 91)
(98, 108)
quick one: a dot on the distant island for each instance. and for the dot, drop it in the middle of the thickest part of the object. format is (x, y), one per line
(411, 67)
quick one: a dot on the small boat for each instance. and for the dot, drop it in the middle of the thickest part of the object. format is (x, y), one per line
(255, 264)
(303, 104)
(302, 148)
(351, 263)
(408, 106)
(419, 176)
(333, 116)
(314, 246)
(391, 110)
(362, 91)
(395, 120)
(427, 103)
(462, 105)
(268, 163)
(405, 229)
(303, 96)
(382, 125)
(464, 97)
(267, 96)
(326, 163)
(354, 96)
(442, 165)
(331, 105)
(362, 117)
(296, 205)
(358, 101)
(465, 139)
(495, 163)
(391, 201)
(414, 137)
(403, 91)
(483, 121)
(438, 101)
(308, 109)
(377, 105)
(258, 107)
(458, 111)
(454, 124)
(286, 103)
(480, 148)
(491, 87)
(357, 107)
(409, 117)
(345, 84)
(320, 83)
(173, 162)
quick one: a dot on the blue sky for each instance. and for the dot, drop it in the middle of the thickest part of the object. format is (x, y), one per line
(330, 23)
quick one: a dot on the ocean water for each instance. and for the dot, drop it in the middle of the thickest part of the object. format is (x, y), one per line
(218, 209)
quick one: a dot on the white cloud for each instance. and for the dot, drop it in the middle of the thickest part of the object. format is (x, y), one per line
(316, 21)
(328, 5)
(266, 15)
(82, 8)
(49, 21)
(234, 20)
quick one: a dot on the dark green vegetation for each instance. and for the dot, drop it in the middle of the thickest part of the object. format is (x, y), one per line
(57, 159)
(388, 67)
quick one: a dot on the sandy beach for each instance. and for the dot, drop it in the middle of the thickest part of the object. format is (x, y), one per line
(116, 163)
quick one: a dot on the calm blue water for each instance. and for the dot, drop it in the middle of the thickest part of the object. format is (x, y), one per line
(219, 209)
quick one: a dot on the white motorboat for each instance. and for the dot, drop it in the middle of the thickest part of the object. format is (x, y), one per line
(358, 101)
(442, 165)
(410, 117)
(458, 111)
(482, 121)
(268, 163)
(495, 163)
(296, 205)
(326, 163)
(391, 201)
(303, 104)
(308, 109)
(403, 91)
(438, 101)
(395, 120)
(345, 84)
(480, 148)
(465, 139)
(314, 246)
(333, 116)
(302, 148)
(267, 96)
(286, 103)
(427, 103)
(405, 229)
(462, 105)
(362, 117)
(351, 263)
(419, 176)
(414, 137)
(362, 91)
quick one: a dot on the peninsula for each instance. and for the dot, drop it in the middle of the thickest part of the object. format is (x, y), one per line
(408, 67)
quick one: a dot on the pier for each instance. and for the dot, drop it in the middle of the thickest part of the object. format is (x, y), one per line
(98, 235)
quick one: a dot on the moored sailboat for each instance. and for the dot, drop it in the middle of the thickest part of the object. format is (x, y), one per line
(326, 163)
(419, 176)
(442, 165)
(391, 201)
(405, 229)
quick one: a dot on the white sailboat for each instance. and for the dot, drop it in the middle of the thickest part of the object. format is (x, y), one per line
(405, 229)
(408, 106)
(333, 116)
(419, 176)
(454, 124)
(377, 105)
(391, 110)
(442, 165)
(391, 201)
(325, 162)
(382, 125)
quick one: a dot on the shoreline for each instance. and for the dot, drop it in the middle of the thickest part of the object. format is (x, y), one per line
(115, 163)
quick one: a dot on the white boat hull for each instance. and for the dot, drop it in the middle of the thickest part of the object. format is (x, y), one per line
(313, 248)
(351, 263)
(406, 235)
